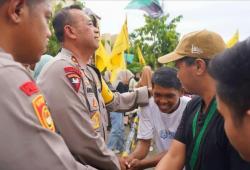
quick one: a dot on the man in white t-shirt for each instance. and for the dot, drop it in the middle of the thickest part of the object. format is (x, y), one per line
(159, 120)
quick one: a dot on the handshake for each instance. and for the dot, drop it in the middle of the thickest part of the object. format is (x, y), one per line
(130, 163)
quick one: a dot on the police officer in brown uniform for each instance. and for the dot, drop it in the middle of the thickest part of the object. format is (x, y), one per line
(77, 96)
(27, 133)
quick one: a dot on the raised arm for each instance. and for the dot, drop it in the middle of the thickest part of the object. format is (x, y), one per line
(174, 158)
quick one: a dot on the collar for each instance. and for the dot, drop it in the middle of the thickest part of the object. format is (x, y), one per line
(6, 55)
(68, 55)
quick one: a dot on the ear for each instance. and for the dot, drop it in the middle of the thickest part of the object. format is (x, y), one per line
(69, 32)
(15, 10)
(200, 66)
(248, 112)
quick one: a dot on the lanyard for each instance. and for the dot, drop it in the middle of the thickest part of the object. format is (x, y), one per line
(198, 137)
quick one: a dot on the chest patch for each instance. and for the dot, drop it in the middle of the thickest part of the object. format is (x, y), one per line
(75, 80)
(43, 113)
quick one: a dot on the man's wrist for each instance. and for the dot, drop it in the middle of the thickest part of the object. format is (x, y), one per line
(145, 163)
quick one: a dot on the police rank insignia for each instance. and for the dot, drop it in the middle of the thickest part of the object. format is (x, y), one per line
(74, 77)
(29, 88)
(43, 113)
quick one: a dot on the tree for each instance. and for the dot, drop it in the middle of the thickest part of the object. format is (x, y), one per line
(156, 38)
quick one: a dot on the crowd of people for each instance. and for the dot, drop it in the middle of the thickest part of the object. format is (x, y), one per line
(56, 118)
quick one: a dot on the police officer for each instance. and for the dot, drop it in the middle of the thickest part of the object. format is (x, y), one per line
(78, 96)
(27, 133)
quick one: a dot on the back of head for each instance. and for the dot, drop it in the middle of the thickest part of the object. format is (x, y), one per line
(166, 77)
(231, 71)
(146, 76)
(124, 76)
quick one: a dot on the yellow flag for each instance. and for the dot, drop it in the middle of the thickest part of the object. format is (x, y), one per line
(233, 40)
(101, 57)
(114, 74)
(121, 44)
(140, 56)
(122, 41)
(117, 63)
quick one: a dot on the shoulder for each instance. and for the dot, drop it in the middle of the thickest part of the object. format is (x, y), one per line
(190, 107)
(12, 73)
(16, 83)
(183, 102)
(185, 99)
(13, 76)
(194, 102)
(58, 67)
(148, 109)
(151, 104)
(6, 61)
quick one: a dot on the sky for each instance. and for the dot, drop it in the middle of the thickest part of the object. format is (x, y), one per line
(221, 16)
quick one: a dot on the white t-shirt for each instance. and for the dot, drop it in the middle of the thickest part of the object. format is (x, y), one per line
(158, 125)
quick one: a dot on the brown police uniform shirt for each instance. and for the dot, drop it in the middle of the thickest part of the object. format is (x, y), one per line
(27, 133)
(74, 96)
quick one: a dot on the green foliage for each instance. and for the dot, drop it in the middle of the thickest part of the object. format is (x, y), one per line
(156, 38)
(53, 46)
(135, 67)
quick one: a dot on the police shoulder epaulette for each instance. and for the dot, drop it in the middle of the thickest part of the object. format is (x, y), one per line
(29, 88)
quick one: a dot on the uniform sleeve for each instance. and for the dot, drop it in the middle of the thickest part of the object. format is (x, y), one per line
(123, 102)
(72, 119)
(25, 143)
(145, 129)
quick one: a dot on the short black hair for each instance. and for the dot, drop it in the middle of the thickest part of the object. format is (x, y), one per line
(166, 77)
(231, 70)
(2, 2)
(191, 60)
(62, 18)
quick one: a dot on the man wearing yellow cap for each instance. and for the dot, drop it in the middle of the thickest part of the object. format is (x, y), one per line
(200, 141)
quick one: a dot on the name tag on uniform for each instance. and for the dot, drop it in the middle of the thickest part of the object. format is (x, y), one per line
(89, 90)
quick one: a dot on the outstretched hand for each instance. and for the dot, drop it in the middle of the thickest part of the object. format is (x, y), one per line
(132, 163)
